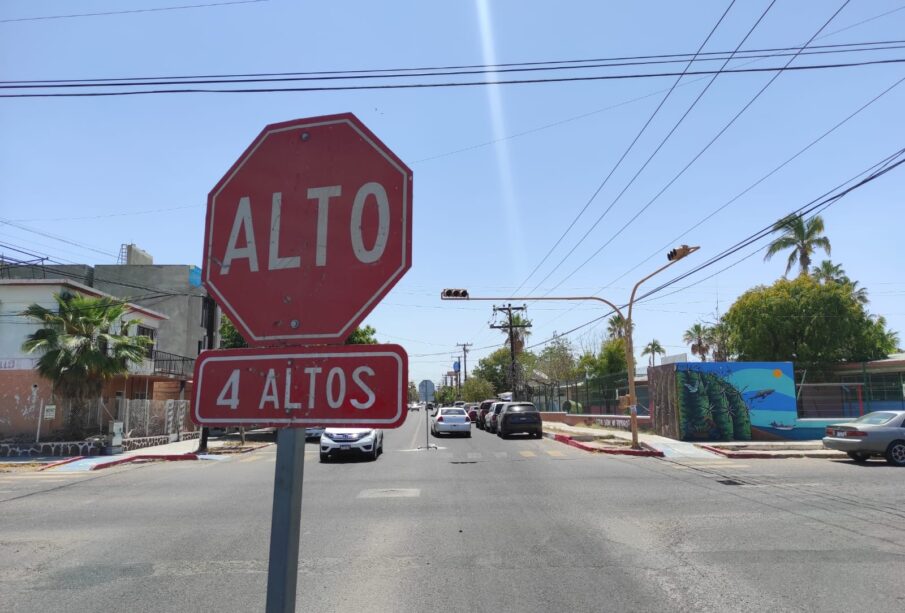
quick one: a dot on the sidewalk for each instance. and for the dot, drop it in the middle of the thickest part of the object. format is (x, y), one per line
(180, 450)
(670, 448)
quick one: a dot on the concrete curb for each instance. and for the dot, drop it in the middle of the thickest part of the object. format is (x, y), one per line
(568, 440)
(66, 461)
(137, 458)
(261, 446)
(759, 455)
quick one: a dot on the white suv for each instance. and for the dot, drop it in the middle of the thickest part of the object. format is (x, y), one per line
(366, 442)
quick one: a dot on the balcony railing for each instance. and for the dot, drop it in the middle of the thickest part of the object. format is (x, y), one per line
(164, 363)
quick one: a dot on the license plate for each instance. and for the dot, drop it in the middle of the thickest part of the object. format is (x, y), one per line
(840, 433)
(345, 447)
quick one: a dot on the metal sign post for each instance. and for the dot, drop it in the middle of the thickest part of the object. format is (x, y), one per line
(283, 570)
(427, 434)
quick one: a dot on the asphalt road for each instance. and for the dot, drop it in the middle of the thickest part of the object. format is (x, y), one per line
(482, 524)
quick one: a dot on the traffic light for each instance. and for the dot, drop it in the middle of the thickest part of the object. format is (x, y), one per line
(454, 294)
(678, 253)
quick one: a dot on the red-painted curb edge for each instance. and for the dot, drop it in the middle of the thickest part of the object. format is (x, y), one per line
(135, 458)
(61, 462)
(568, 440)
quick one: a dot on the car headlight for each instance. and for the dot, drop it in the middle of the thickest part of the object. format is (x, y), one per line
(366, 435)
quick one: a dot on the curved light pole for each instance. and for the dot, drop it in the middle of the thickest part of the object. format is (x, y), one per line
(674, 255)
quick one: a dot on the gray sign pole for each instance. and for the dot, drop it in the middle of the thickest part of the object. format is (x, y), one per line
(282, 574)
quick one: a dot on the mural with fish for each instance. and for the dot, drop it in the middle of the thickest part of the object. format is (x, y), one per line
(735, 401)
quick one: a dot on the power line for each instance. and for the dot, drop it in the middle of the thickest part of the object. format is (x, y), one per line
(451, 84)
(815, 206)
(698, 155)
(631, 146)
(54, 237)
(655, 152)
(131, 11)
(465, 69)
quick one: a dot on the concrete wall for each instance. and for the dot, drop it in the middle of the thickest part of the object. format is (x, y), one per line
(81, 273)
(182, 332)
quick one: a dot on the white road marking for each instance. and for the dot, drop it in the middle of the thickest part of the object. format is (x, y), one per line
(390, 493)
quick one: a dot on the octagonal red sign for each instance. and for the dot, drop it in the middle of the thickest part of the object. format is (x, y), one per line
(308, 230)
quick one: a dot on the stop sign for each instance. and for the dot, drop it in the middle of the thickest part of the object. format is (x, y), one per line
(308, 230)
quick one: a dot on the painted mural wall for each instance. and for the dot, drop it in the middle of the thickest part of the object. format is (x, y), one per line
(739, 401)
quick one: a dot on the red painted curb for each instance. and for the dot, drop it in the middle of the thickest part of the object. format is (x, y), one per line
(649, 453)
(61, 462)
(135, 458)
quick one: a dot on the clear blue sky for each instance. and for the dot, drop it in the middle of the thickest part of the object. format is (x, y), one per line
(90, 170)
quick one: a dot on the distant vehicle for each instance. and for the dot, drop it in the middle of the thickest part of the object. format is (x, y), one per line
(482, 412)
(472, 410)
(519, 418)
(362, 442)
(414, 406)
(459, 403)
(490, 421)
(313, 432)
(451, 420)
(881, 433)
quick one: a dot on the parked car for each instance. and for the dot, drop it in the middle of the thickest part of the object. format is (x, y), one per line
(482, 411)
(313, 432)
(472, 410)
(519, 418)
(459, 403)
(881, 433)
(490, 422)
(451, 420)
(362, 442)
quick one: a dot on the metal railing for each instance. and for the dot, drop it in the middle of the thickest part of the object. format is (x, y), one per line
(164, 363)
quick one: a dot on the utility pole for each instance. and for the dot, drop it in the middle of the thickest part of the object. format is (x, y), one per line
(464, 347)
(510, 328)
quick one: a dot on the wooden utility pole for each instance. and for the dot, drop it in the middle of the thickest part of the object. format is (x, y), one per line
(464, 347)
(510, 328)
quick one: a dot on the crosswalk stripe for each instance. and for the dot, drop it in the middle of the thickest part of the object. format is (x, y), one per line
(555, 454)
(474, 455)
(527, 454)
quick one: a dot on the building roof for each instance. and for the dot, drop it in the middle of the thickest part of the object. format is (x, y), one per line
(82, 289)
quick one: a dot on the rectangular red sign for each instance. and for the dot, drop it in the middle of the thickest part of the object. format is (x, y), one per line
(342, 386)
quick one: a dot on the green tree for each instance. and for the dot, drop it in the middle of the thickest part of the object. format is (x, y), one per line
(414, 396)
(719, 340)
(521, 330)
(477, 389)
(612, 356)
(445, 395)
(230, 338)
(652, 349)
(495, 368)
(697, 337)
(84, 343)
(802, 237)
(557, 360)
(616, 326)
(362, 336)
(816, 326)
(827, 272)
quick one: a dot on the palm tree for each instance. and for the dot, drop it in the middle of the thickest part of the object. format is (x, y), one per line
(521, 330)
(84, 343)
(802, 237)
(697, 336)
(828, 272)
(616, 327)
(652, 349)
(718, 339)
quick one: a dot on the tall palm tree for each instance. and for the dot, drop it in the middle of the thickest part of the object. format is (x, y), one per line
(84, 343)
(802, 237)
(652, 349)
(827, 272)
(696, 336)
(521, 330)
(718, 339)
(615, 327)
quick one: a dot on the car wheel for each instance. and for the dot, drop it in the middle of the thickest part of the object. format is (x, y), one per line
(324, 457)
(858, 456)
(375, 453)
(500, 434)
(538, 434)
(468, 434)
(895, 453)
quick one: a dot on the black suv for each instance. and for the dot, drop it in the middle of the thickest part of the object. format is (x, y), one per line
(519, 417)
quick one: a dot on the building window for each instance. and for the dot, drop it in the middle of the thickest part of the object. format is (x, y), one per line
(151, 333)
(207, 313)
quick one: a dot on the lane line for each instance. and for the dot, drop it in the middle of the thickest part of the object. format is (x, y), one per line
(555, 454)
(527, 454)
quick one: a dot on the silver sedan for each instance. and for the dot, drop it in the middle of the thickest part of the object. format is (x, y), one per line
(451, 420)
(881, 433)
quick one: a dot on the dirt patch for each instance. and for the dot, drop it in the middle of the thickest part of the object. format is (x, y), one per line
(20, 467)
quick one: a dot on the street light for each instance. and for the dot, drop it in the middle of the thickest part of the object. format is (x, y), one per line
(673, 255)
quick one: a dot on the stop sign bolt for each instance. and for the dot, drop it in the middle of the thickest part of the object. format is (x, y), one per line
(294, 324)
(305, 136)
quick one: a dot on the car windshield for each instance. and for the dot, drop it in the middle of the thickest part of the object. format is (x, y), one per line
(452, 412)
(875, 419)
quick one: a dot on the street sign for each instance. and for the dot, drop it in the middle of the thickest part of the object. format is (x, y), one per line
(308, 231)
(426, 390)
(345, 386)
